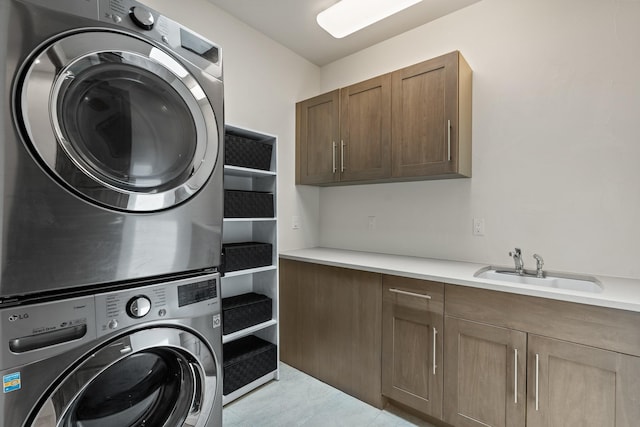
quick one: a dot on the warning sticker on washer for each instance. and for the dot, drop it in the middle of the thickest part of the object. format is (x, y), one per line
(11, 382)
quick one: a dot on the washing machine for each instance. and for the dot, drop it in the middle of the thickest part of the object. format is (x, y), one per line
(111, 124)
(147, 356)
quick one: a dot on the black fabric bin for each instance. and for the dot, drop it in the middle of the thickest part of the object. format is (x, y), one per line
(248, 204)
(246, 152)
(242, 311)
(246, 360)
(245, 255)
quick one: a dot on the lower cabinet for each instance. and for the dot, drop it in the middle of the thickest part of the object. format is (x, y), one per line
(331, 326)
(412, 331)
(491, 380)
(508, 360)
(485, 375)
(576, 385)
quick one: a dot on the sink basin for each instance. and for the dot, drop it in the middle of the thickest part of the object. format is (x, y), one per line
(551, 280)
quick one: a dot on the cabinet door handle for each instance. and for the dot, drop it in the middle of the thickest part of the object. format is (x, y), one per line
(515, 376)
(449, 140)
(537, 379)
(411, 294)
(342, 168)
(334, 157)
(435, 334)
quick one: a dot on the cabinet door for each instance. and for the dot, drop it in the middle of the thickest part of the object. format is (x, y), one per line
(365, 130)
(412, 364)
(330, 326)
(572, 385)
(485, 375)
(317, 139)
(425, 118)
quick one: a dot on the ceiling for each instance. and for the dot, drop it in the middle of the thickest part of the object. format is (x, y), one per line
(292, 23)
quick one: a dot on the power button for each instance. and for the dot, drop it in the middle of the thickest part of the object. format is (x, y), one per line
(138, 306)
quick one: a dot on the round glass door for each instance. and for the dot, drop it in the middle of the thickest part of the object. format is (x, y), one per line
(126, 125)
(157, 377)
(150, 388)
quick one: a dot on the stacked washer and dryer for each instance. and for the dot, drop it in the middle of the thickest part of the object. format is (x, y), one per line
(111, 207)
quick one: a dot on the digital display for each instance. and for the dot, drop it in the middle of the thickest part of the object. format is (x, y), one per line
(196, 292)
(198, 46)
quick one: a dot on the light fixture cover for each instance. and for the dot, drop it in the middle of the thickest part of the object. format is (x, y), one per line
(349, 16)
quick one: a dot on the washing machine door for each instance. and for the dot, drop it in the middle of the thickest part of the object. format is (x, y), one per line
(155, 377)
(117, 120)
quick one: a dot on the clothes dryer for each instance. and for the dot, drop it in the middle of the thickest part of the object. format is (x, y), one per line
(111, 124)
(146, 356)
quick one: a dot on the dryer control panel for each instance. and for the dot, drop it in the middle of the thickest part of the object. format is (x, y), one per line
(135, 17)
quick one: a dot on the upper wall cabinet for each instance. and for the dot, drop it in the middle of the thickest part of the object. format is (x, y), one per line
(412, 124)
(432, 119)
(345, 135)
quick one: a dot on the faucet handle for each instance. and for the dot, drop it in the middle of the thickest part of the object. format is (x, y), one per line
(539, 260)
(539, 264)
(516, 252)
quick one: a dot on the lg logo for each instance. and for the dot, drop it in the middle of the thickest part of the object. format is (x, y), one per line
(15, 317)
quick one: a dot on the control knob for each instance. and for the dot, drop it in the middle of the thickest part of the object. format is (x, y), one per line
(142, 17)
(138, 307)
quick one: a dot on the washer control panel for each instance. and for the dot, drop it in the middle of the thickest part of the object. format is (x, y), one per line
(178, 299)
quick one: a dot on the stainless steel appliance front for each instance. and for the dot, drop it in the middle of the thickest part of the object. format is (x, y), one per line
(111, 122)
(145, 356)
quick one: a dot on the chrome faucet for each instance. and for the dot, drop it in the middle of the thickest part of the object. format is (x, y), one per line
(539, 264)
(517, 258)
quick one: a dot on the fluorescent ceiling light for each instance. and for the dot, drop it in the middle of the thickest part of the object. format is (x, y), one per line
(349, 16)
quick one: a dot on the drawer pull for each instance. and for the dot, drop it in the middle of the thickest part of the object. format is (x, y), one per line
(411, 294)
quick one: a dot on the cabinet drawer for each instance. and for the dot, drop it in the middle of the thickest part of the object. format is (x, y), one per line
(414, 294)
(600, 327)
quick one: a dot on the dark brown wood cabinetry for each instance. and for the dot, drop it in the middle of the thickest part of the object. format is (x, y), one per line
(412, 331)
(330, 326)
(413, 123)
(345, 135)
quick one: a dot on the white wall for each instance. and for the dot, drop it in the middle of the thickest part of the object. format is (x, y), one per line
(556, 141)
(263, 81)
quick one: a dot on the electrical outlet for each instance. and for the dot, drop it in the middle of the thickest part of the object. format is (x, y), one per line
(371, 223)
(295, 222)
(478, 226)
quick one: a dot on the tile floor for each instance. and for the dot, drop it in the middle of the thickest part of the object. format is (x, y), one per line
(300, 400)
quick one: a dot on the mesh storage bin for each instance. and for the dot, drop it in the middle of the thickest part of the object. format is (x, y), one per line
(248, 204)
(246, 360)
(242, 311)
(245, 255)
(246, 152)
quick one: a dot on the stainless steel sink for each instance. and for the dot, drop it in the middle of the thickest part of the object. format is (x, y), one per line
(550, 280)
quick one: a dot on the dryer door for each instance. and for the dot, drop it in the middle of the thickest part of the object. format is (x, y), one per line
(154, 377)
(118, 120)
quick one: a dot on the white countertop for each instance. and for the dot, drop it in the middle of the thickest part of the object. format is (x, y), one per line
(617, 292)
